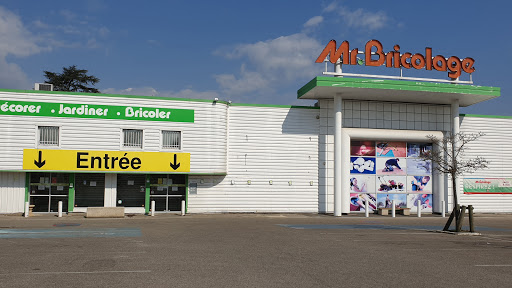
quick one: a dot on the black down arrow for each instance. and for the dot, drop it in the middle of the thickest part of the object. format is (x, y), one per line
(40, 163)
(175, 165)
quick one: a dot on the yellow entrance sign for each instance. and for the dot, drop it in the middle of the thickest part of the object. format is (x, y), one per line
(107, 161)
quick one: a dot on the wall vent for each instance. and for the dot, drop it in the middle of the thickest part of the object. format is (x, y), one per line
(43, 87)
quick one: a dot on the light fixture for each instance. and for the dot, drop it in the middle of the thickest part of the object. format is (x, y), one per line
(310, 183)
(232, 182)
(248, 182)
(270, 182)
(289, 183)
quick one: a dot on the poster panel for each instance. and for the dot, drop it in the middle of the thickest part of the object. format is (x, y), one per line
(362, 165)
(385, 200)
(418, 149)
(362, 183)
(425, 204)
(391, 166)
(487, 185)
(419, 184)
(391, 184)
(417, 166)
(358, 201)
(391, 149)
(362, 148)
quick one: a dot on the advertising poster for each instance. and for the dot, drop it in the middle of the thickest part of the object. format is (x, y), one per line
(418, 149)
(358, 201)
(391, 166)
(385, 200)
(417, 166)
(425, 204)
(362, 165)
(391, 149)
(362, 183)
(487, 185)
(419, 184)
(391, 184)
(362, 148)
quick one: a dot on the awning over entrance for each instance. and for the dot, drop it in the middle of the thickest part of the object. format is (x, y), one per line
(396, 91)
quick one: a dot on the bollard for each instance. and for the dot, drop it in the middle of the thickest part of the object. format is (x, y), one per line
(471, 223)
(366, 209)
(461, 218)
(60, 209)
(443, 209)
(393, 209)
(182, 207)
(27, 208)
(419, 208)
(153, 208)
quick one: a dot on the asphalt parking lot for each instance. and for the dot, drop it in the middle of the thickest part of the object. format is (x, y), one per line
(252, 250)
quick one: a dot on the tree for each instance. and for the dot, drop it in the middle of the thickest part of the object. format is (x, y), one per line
(72, 79)
(447, 155)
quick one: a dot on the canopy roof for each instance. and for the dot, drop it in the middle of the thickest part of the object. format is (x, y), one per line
(396, 91)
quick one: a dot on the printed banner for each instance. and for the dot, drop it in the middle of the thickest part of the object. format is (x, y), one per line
(487, 185)
(23, 108)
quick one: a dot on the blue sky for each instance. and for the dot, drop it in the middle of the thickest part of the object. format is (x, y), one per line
(244, 51)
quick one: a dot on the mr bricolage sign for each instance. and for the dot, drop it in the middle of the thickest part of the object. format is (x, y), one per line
(453, 65)
(106, 161)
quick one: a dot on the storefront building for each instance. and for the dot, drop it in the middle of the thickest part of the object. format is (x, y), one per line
(359, 144)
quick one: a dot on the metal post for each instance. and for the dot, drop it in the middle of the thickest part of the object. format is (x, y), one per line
(418, 203)
(27, 208)
(60, 209)
(366, 208)
(338, 108)
(462, 213)
(182, 207)
(443, 209)
(393, 209)
(471, 223)
(153, 208)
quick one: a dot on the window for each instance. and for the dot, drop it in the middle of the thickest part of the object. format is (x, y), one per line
(132, 138)
(171, 139)
(48, 135)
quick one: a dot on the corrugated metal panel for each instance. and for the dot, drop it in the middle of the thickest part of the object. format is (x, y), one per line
(12, 192)
(205, 139)
(265, 144)
(495, 147)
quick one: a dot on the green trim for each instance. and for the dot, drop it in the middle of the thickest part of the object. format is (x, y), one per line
(148, 193)
(118, 172)
(485, 116)
(27, 186)
(152, 97)
(274, 106)
(109, 95)
(397, 85)
(71, 193)
(186, 194)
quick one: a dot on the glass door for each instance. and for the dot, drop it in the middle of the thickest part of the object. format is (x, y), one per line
(47, 189)
(167, 191)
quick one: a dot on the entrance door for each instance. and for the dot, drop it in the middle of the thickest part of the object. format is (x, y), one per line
(89, 190)
(167, 191)
(47, 189)
(131, 190)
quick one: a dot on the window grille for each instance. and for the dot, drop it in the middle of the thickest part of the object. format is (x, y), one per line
(132, 138)
(171, 139)
(49, 135)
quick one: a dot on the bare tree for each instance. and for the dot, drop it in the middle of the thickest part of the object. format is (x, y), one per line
(447, 154)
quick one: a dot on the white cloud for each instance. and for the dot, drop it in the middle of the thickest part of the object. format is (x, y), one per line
(331, 7)
(15, 40)
(150, 91)
(314, 21)
(361, 18)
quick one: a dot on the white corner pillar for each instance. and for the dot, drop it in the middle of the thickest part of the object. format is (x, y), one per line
(455, 131)
(439, 188)
(338, 107)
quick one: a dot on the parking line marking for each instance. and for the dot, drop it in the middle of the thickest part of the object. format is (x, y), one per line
(77, 272)
(504, 265)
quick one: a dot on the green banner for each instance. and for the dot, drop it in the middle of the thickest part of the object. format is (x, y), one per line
(23, 108)
(487, 185)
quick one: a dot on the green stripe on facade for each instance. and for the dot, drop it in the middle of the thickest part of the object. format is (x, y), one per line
(27, 186)
(71, 193)
(397, 85)
(186, 194)
(486, 116)
(148, 193)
